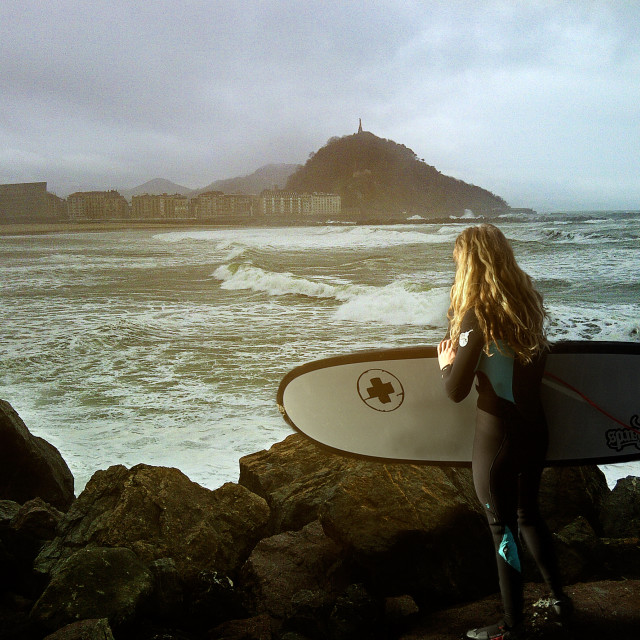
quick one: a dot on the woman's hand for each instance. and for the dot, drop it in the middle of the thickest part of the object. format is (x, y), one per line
(446, 353)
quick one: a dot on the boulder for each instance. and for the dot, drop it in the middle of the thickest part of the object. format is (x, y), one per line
(284, 565)
(34, 523)
(257, 628)
(168, 594)
(30, 467)
(94, 583)
(84, 630)
(415, 529)
(621, 556)
(569, 492)
(159, 513)
(357, 614)
(621, 509)
(295, 477)
(578, 550)
(37, 520)
(8, 510)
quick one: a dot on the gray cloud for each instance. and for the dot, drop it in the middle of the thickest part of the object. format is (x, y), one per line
(533, 100)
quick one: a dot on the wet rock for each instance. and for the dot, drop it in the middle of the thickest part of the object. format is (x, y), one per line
(578, 549)
(37, 520)
(357, 614)
(284, 565)
(212, 599)
(295, 477)
(84, 630)
(415, 529)
(98, 583)
(621, 509)
(34, 523)
(168, 593)
(256, 628)
(30, 467)
(621, 556)
(158, 513)
(569, 492)
(8, 511)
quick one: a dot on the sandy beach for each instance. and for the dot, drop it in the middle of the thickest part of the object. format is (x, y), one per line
(17, 229)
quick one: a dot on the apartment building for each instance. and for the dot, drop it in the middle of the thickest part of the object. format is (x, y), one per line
(97, 205)
(276, 202)
(215, 204)
(166, 207)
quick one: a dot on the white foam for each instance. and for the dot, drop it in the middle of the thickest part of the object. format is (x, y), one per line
(397, 304)
(248, 277)
(616, 323)
(313, 238)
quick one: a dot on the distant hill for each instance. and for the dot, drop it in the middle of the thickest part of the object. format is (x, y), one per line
(372, 175)
(264, 178)
(157, 186)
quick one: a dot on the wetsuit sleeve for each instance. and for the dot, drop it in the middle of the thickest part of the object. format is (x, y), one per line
(459, 376)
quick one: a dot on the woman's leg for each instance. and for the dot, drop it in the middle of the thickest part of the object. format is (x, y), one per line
(495, 476)
(535, 532)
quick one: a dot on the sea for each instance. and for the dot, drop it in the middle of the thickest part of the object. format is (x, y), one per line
(166, 346)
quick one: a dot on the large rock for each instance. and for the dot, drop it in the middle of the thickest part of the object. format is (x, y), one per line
(37, 520)
(94, 583)
(158, 513)
(621, 509)
(578, 550)
(415, 529)
(84, 630)
(282, 566)
(295, 477)
(30, 467)
(567, 493)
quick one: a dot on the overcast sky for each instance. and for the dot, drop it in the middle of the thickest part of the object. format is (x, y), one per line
(536, 101)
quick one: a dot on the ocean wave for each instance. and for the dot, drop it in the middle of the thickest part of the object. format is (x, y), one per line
(467, 215)
(245, 276)
(314, 238)
(399, 303)
(615, 323)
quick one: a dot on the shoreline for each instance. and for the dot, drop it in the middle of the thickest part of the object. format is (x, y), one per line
(38, 228)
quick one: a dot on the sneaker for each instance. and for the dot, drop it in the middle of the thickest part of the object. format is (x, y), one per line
(499, 631)
(564, 610)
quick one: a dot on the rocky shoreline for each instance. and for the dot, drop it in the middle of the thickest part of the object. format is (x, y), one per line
(307, 545)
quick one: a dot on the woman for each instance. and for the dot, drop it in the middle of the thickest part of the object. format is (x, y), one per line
(496, 333)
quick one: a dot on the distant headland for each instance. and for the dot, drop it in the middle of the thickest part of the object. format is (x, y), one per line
(360, 178)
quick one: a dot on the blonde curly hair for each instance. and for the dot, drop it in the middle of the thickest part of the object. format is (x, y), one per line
(489, 280)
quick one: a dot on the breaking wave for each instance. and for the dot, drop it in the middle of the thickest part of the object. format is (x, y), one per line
(398, 303)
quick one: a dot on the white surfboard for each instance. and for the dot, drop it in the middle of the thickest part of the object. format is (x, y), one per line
(391, 404)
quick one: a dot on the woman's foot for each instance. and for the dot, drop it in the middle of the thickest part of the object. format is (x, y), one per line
(563, 607)
(499, 631)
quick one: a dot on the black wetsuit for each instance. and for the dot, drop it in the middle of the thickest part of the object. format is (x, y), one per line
(508, 455)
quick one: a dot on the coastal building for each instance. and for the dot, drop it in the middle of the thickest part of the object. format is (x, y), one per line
(325, 204)
(276, 202)
(215, 204)
(165, 207)
(29, 202)
(57, 208)
(97, 205)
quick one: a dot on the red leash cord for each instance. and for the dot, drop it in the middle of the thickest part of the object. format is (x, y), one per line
(588, 400)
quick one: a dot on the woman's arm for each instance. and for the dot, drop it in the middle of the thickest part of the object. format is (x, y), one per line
(459, 367)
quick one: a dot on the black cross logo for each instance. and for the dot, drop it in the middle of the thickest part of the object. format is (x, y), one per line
(380, 390)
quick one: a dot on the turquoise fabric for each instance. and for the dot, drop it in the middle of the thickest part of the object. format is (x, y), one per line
(509, 551)
(498, 367)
